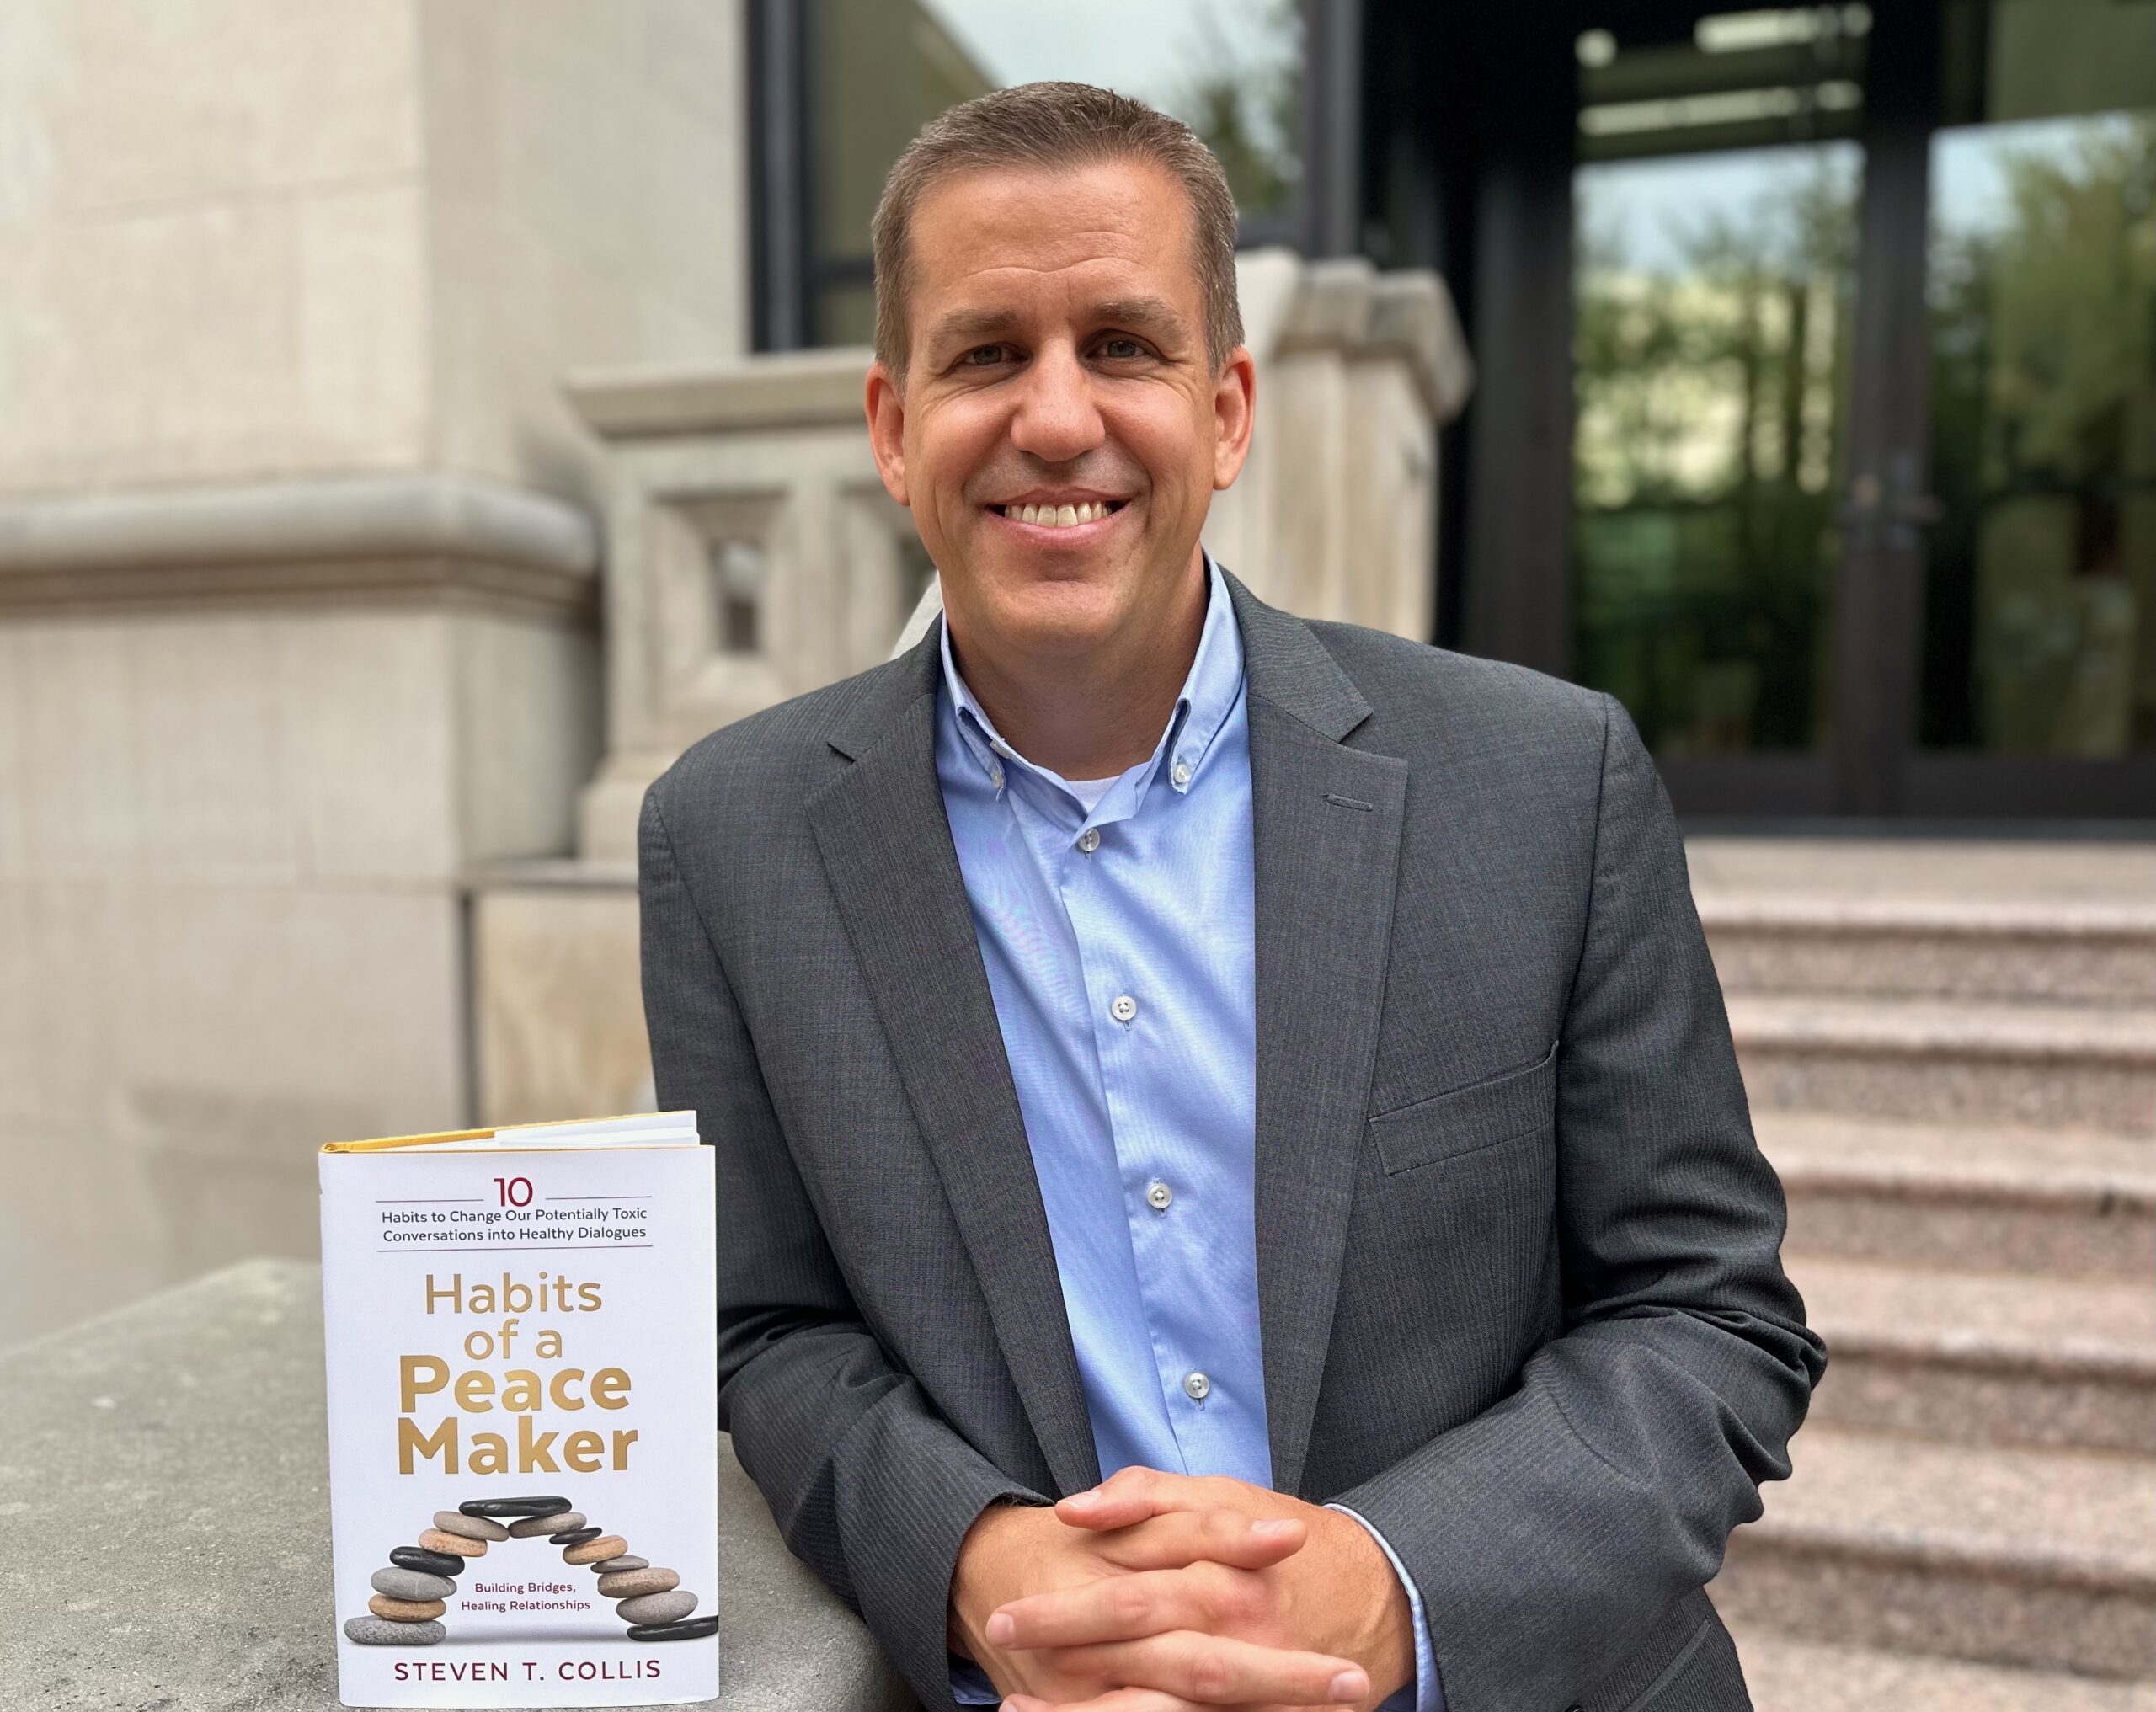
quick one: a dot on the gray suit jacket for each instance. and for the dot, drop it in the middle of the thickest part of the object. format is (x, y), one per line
(1517, 1253)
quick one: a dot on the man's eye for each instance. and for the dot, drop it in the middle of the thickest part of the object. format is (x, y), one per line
(1121, 348)
(986, 356)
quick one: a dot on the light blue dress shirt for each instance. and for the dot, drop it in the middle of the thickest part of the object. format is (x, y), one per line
(1120, 946)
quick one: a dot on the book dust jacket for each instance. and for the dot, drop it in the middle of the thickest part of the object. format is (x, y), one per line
(523, 1415)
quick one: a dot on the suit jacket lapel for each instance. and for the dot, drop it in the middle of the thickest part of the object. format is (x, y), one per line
(1326, 821)
(886, 846)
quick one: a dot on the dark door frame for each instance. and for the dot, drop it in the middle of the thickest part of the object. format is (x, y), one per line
(1878, 586)
(1514, 540)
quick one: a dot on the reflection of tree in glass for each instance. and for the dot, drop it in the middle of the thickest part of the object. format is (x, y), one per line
(2047, 307)
(1244, 97)
(2043, 302)
(1709, 377)
(1710, 393)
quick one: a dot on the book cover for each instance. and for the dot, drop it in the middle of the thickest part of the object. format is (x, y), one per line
(523, 1415)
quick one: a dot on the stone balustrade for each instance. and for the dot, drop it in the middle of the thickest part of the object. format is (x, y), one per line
(752, 553)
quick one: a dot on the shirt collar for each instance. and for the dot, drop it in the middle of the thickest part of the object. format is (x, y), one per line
(1209, 694)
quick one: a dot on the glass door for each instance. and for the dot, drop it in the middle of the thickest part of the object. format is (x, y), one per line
(1865, 436)
(1715, 225)
(2037, 671)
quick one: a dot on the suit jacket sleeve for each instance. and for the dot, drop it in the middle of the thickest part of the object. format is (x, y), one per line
(869, 1486)
(1552, 1528)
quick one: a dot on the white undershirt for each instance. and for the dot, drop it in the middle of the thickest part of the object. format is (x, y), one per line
(1090, 791)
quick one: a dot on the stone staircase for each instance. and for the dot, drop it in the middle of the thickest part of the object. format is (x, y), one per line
(1951, 1051)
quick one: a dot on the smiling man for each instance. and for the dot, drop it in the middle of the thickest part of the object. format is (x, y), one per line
(1275, 1066)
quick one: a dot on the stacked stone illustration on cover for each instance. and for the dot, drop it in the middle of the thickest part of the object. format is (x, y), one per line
(411, 1593)
(651, 1601)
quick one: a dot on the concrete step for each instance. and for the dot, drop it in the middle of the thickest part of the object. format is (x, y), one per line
(2077, 950)
(1997, 1199)
(2069, 920)
(1787, 1674)
(1935, 1058)
(1986, 1358)
(2045, 1559)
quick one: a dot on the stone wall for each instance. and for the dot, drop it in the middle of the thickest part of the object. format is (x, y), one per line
(252, 238)
(239, 800)
(298, 604)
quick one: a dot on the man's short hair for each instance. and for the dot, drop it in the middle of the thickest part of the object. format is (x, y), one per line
(1055, 126)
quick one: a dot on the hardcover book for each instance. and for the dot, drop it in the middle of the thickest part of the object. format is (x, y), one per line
(523, 1415)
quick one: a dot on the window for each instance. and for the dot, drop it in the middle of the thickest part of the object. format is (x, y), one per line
(2039, 626)
(1715, 257)
(843, 85)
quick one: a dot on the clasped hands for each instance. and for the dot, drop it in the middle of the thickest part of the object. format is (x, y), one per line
(1160, 1592)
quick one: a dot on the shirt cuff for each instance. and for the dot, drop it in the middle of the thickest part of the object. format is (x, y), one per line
(969, 1682)
(1425, 1693)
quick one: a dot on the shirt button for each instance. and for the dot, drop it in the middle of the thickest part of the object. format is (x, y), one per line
(1158, 1195)
(1089, 841)
(1182, 773)
(1124, 1008)
(1196, 1386)
(995, 774)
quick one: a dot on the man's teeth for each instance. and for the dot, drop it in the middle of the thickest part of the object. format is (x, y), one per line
(1058, 516)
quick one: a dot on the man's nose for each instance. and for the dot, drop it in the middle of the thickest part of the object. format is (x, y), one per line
(1058, 419)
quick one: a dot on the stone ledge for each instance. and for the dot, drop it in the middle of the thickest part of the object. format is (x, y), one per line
(776, 389)
(392, 536)
(554, 874)
(171, 1462)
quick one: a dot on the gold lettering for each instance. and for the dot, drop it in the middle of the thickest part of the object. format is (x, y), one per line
(441, 1443)
(534, 1455)
(409, 1368)
(610, 1388)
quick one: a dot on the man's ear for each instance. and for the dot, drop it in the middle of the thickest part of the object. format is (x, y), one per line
(887, 430)
(1234, 409)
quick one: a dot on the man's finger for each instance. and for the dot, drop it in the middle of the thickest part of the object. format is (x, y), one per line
(1127, 1608)
(1185, 1536)
(1214, 1671)
(1132, 1494)
(1117, 1700)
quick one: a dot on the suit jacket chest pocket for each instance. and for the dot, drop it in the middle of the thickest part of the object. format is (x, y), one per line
(1484, 1114)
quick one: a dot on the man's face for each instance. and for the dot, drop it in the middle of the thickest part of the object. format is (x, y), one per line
(1058, 359)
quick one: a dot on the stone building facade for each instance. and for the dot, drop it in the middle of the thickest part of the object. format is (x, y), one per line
(299, 561)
